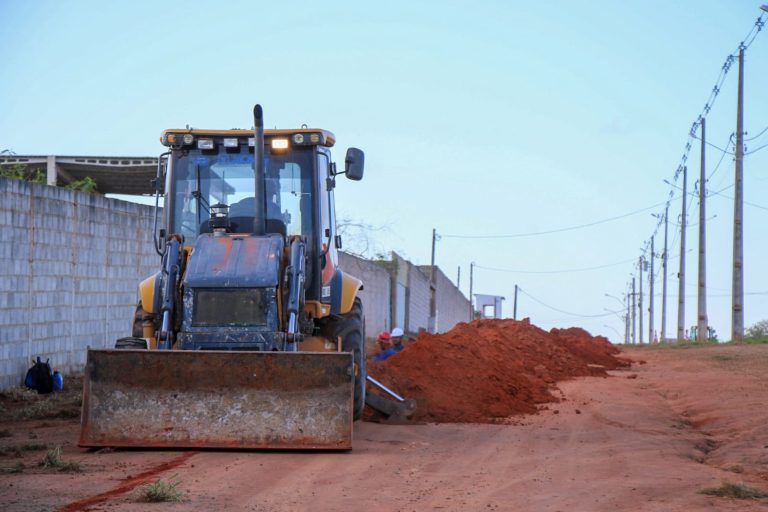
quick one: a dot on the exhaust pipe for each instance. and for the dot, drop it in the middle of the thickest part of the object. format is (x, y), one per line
(259, 219)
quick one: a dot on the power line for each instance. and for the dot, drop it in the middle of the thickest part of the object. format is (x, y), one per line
(754, 205)
(756, 150)
(559, 230)
(713, 95)
(565, 312)
(714, 146)
(566, 271)
(756, 136)
(722, 156)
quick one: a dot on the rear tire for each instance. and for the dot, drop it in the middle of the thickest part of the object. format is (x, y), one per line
(351, 329)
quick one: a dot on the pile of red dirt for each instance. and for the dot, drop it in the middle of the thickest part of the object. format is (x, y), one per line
(488, 370)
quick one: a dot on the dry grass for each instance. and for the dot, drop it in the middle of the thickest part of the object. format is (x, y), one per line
(17, 450)
(13, 468)
(52, 460)
(163, 491)
(19, 394)
(739, 491)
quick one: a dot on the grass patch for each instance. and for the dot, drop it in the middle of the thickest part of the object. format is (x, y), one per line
(17, 450)
(739, 491)
(163, 490)
(52, 460)
(14, 468)
(19, 394)
(24, 404)
(752, 341)
(14, 451)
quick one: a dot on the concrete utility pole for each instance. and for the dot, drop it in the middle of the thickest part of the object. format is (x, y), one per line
(650, 297)
(629, 302)
(471, 279)
(634, 313)
(737, 322)
(432, 288)
(640, 264)
(664, 280)
(514, 311)
(681, 274)
(701, 330)
(458, 277)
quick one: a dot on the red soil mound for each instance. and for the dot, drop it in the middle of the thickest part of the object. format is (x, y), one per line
(488, 370)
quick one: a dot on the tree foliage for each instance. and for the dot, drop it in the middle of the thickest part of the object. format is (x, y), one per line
(757, 331)
(86, 184)
(22, 172)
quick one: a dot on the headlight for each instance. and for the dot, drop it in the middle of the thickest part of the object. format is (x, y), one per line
(205, 144)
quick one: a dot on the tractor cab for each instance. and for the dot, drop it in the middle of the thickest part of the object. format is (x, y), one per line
(217, 200)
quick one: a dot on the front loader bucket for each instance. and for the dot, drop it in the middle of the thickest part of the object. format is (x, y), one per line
(217, 399)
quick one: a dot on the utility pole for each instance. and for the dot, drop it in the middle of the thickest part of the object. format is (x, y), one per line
(650, 297)
(514, 311)
(664, 280)
(458, 277)
(634, 313)
(701, 330)
(626, 321)
(681, 274)
(432, 288)
(737, 322)
(640, 263)
(471, 279)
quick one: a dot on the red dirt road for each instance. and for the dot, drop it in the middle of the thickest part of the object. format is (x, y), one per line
(690, 419)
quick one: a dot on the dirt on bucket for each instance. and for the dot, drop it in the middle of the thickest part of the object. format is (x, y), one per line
(488, 370)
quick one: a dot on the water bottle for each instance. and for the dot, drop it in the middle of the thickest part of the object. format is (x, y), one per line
(58, 381)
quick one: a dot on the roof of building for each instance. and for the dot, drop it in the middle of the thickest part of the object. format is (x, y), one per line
(112, 174)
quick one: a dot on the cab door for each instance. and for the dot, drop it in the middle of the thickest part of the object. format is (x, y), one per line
(327, 217)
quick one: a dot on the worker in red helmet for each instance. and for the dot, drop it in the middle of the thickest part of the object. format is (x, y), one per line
(384, 340)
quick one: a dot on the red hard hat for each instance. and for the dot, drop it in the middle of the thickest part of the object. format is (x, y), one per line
(384, 336)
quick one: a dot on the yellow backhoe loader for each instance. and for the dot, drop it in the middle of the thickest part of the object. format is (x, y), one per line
(249, 336)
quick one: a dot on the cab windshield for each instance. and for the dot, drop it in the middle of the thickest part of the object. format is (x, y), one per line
(205, 178)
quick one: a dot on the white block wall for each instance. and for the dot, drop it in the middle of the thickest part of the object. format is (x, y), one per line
(70, 263)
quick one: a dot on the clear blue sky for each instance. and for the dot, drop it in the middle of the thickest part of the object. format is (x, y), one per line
(476, 118)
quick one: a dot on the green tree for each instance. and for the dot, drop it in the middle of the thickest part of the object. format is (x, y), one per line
(758, 331)
(22, 172)
(86, 184)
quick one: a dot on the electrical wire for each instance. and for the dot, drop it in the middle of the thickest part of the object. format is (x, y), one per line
(562, 311)
(714, 146)
(566, 271)
(722, 156)
(756, 136)
(713, 95)
(558, 230)
(756, 150)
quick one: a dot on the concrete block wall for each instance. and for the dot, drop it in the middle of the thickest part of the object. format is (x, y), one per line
(382, 301)
(70, 263)
(419, 294)
(376, 291)
(452, 305)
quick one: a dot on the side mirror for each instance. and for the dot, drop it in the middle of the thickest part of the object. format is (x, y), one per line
(353, 164)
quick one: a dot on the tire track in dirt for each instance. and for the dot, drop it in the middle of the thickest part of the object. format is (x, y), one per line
(127, 484)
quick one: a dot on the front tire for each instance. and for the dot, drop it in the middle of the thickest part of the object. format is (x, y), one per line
(351, 329)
